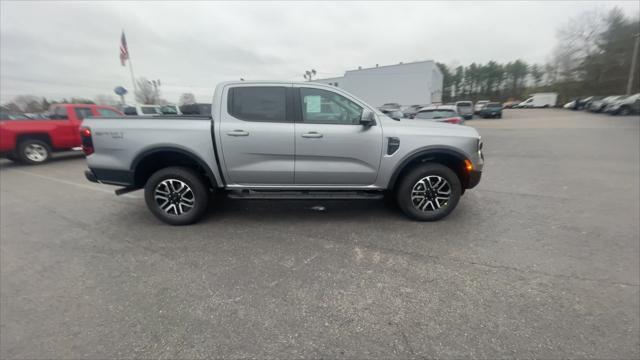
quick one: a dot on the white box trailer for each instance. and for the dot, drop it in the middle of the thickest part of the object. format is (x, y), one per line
(540, 100)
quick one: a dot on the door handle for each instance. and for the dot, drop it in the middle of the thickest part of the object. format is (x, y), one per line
(238, 133)
(312, 135)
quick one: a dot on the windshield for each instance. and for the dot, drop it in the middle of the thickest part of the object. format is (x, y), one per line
(493, 105)
(435, 114)
(464, 103)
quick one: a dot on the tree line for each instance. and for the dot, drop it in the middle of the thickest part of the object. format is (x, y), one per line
(592, 57)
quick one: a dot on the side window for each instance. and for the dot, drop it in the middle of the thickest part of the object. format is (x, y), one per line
(58, 113)
(82, 113)
(107, 113)
(326, 107)
(258, 103)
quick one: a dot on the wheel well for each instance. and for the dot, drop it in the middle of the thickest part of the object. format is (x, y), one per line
(448, 159)
(157, 160)
(42, 137)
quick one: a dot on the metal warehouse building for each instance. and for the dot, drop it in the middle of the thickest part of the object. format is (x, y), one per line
(407, 84)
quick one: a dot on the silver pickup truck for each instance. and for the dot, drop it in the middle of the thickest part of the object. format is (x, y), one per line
(282, 140)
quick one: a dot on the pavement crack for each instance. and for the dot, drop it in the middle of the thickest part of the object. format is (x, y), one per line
(422, 257)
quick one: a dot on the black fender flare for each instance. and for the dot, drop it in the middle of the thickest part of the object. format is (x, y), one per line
(148, 152)
(426, 151)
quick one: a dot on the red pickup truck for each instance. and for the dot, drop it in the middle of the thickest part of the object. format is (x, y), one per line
(33, 140)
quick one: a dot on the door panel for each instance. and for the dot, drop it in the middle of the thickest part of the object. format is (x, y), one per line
(259, 149)
(332, 148)
(344, 155)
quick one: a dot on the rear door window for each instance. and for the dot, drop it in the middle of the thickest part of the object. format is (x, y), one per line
(58, 113)
(83, 112)
(258, 103)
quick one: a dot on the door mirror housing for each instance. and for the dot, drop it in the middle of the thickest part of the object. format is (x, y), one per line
(368, 118)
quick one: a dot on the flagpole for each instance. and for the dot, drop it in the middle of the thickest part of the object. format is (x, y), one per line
(133, 80)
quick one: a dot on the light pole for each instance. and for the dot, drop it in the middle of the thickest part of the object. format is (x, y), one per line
(309, 74)
(634, 58)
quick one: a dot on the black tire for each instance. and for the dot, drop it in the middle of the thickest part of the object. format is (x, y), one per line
(499, 116)
(13, 158)
(624, 111)
(33, 152)
(198, 196)
(414, 176)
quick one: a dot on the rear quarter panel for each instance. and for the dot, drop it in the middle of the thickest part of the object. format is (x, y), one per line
(119, 141)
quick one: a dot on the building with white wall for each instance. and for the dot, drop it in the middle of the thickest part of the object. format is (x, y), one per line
(405, 83)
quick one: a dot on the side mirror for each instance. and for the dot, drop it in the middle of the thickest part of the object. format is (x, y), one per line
(368, 118)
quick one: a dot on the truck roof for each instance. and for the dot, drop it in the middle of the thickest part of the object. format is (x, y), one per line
(276, 82)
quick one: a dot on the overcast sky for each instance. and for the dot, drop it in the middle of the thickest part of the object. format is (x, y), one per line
(64, 49)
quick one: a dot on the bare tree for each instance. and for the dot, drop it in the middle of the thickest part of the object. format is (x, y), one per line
(187, 99)
(29, 103)
(579, 36)
(145, 92)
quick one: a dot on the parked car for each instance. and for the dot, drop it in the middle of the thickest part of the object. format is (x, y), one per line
(511, 104)
(579, 103)
(411, 110)
(540, 100)
(170, 110)
(465, 109)
(12, 116)
(600, 105)
(196, 109)
(254, 146)
(390, 106)
(586, 102)
(440, 113)
(478, 106)
(394, 114)
(625, 106)
(32, 141)
(142, 110)
(491, 110)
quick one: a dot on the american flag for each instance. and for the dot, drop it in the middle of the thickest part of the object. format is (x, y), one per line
(124, 51)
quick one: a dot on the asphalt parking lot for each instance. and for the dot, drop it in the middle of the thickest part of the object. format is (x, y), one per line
(541, 260)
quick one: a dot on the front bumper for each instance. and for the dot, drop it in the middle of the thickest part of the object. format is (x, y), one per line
(474, 178)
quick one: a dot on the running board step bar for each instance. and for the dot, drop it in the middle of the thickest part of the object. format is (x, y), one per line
(305, 195)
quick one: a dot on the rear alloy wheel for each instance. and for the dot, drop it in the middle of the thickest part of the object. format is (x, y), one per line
(176, 195)
(34, 152)
(429, 192)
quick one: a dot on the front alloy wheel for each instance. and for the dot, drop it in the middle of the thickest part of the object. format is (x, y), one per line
(429, 192)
